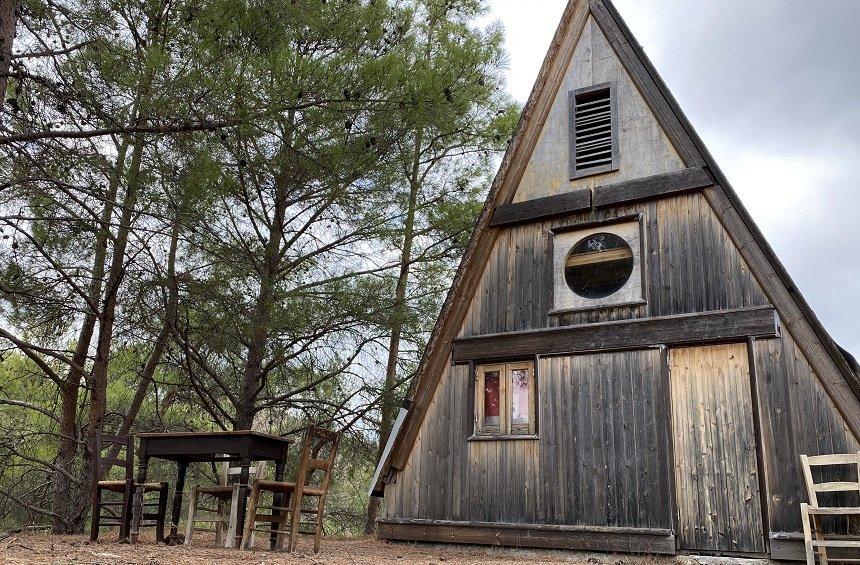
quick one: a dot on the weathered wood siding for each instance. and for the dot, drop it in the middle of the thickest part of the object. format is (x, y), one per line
(691, 266)
(716, 470)
(604, 439)
(644, 149)
(797, 418)
(601, 459)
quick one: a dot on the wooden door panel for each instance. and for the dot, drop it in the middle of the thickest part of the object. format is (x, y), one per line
(717, 483)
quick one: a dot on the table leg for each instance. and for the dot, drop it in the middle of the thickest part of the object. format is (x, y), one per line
(244, 475)
(181, 468)
(137, 509)
(278, 500)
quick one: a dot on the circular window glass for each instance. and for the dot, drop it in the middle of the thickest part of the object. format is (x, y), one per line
(598, 265)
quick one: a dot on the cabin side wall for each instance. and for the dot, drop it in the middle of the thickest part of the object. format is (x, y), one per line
(600, 460)
(798, 417)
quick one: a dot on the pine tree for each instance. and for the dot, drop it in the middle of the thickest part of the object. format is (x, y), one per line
(457, 116)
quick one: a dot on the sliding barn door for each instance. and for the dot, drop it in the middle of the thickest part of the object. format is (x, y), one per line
(716, 477)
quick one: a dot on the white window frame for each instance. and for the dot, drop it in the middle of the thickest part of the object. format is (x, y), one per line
(632, 293)
(505, 428)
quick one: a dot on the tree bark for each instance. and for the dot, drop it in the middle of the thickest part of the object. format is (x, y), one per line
(69, 509)
(8, 23)
(253, 373)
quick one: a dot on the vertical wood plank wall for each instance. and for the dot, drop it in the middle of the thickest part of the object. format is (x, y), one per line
(691, 266)
(797, 418)
(604, 439)
(716, 471)
(600, 461)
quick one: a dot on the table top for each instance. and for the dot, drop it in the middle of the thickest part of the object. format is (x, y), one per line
(214, 446)
(211, 434)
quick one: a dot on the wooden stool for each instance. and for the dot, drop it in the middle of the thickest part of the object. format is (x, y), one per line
(287, 511)
(118, 512)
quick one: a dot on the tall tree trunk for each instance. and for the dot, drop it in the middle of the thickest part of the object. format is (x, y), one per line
(257, 346)
(98, 376)
(69, 508)
(8, 23)
(388, 402)
(261, 320)
(63, 502)
(261, 317)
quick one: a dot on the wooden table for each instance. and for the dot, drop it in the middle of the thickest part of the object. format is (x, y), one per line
(243, 446)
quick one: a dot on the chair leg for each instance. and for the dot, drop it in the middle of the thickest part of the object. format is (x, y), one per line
(96, 520)
(819, 535)
(251, 511)
(162, 513)
(125, 515)
(192, 511)
(807, 534)
(219, 525)
(319, 528)
(295, 518)
(284, 516)
(232, 525)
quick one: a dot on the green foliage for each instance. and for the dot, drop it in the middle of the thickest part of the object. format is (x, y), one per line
(271, 174)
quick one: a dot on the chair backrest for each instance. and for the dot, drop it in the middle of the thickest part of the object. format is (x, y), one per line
(849, 462)
(230, 475)
(113, 451)
(318, 454)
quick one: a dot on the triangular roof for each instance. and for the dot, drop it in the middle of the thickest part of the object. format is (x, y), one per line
(797, 317)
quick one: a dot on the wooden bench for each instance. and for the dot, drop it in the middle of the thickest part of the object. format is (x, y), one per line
(811, 513)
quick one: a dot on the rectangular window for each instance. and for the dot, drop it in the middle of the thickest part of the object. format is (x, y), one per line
(593, 131)
(505, 399)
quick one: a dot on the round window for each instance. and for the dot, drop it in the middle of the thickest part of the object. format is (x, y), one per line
(598, 265)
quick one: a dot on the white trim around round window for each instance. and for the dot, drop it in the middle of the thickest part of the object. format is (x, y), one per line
(597, 267)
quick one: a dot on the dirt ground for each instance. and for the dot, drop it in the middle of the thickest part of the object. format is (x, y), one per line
(59, 550)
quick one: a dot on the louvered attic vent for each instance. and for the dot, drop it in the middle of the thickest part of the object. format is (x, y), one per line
(593, 131)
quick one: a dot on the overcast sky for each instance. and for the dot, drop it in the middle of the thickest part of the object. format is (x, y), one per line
(773, 88)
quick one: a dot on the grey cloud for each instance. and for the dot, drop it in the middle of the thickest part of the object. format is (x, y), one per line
(772, 70)
(780, 78)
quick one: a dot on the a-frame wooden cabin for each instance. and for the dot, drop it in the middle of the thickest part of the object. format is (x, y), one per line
(622, 362)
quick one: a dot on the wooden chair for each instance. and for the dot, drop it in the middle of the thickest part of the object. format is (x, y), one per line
(223, 516)
(117, 512)
(811, 513)
(290, 515)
